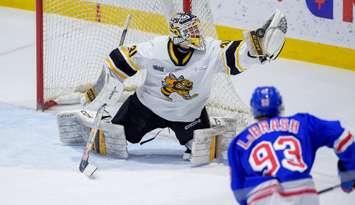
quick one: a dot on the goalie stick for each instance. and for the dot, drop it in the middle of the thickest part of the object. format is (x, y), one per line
(85, 167)
(124, 32)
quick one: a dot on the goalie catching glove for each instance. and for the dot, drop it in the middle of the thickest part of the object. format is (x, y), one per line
(266, 42)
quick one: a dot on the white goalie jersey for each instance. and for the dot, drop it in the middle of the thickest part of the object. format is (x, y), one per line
(178, 82)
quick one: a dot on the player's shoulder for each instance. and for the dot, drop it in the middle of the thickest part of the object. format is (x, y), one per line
(212, 43)
(160, 40)
(243, 135)
(155, 42)
(302, 116)
(245, 139)
(155, 45)
(210, 40)
(234, 143)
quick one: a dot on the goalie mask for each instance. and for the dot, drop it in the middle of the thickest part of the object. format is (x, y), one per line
(185, 31)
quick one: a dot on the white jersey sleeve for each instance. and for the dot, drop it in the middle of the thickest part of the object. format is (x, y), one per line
(121, 63)
(235, 57)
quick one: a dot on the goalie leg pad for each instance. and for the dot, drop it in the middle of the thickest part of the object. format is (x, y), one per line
(209, 144)
(71, 130)
(230, 127)
(212, 143)
(112, 142)
(224, 122)
(223, 141)
(201, 145)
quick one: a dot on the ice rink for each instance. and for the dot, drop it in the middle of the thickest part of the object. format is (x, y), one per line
(35, 168)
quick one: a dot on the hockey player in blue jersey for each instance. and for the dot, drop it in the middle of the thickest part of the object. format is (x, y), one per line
(271, 159)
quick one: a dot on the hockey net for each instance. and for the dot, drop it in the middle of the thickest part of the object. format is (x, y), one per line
(77, 36)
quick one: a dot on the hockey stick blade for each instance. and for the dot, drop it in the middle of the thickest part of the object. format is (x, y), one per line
(84, 166)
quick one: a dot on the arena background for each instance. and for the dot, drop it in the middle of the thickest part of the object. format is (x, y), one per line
(321, 32)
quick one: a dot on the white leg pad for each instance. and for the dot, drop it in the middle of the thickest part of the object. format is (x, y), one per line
(224, 129)
(230, 127)
(71, 130)
(235, 124)
(201, 144)
(223, 141)
(116, 144)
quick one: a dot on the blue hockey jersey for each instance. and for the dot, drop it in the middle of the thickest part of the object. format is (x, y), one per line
(284, 148)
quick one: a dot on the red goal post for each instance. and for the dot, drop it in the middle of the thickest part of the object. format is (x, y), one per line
(39, 55)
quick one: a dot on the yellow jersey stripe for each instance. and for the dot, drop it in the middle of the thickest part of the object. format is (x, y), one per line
(115, 70)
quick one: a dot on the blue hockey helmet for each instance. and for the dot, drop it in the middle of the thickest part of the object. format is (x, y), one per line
(266, 101)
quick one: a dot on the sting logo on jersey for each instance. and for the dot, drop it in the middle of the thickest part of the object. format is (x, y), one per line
(180, 85)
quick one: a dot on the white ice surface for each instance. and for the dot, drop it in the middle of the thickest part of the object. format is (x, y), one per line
(35, 168)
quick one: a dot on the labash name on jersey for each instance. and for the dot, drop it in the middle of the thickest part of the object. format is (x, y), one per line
(263, 127)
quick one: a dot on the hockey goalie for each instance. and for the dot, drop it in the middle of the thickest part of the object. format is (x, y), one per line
(179, 71)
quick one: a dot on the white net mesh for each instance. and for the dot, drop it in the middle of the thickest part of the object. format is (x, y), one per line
(78, 35)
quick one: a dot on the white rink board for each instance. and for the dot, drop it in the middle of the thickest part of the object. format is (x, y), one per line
(247, 14)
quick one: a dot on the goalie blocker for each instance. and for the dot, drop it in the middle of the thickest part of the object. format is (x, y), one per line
(74, 126)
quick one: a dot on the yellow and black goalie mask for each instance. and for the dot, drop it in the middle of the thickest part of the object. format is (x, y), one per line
(185, 31)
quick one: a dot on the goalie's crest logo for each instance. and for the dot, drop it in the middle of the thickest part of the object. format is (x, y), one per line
(180, 85)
